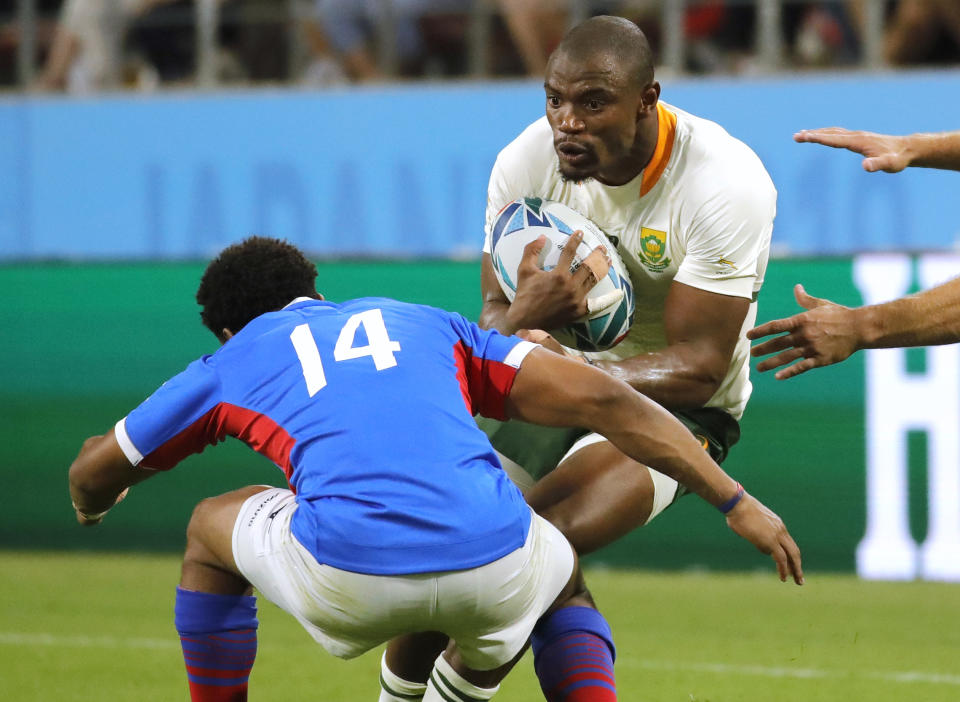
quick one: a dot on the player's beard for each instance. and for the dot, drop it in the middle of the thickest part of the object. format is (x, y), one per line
(573, 177)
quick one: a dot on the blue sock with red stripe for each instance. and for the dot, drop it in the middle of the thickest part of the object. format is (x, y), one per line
(573, 655)
(218, 634)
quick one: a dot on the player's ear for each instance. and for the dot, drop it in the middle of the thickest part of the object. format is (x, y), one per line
(648, 98)
(225, 335)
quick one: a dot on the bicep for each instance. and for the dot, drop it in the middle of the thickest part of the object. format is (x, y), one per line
(707, 324)
(555, 390)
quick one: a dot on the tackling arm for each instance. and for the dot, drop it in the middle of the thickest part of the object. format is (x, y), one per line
(99, 477)
(557, 391)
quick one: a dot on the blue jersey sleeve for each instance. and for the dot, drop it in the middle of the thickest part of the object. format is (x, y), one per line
(490, 363)
(175, 421)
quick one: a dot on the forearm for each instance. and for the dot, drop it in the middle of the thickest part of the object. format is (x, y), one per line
(93, 499)
(670, 377)
(927, 318)
(100, 473)
(90, 492)
(938, 150)
(652, 436)
(557, 391)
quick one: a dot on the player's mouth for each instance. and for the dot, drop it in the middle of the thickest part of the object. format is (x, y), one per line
(573, 153)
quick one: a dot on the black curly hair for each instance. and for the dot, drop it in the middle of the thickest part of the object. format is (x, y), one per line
(258, 275)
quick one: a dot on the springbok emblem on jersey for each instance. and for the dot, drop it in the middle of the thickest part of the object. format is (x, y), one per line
(653, 249)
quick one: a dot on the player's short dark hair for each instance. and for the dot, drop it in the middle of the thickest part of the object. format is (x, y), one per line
(245, 280)
(614, 35)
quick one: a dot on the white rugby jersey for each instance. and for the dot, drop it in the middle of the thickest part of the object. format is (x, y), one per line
(701, 212)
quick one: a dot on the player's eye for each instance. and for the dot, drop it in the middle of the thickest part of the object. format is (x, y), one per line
(553, 101)
(595, 104)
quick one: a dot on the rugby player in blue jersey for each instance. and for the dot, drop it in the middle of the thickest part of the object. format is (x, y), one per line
(398, 518)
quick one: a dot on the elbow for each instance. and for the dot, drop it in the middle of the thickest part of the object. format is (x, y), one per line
(703, 388)
(486, 320)
(702, 381)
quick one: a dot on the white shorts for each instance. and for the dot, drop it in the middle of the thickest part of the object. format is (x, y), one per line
(489, 610)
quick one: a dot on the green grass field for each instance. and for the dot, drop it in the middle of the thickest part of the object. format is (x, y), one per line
(81, 626)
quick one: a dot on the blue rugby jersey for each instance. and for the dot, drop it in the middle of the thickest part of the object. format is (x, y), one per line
(367, 407)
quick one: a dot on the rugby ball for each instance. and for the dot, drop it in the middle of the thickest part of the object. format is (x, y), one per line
(611, 299)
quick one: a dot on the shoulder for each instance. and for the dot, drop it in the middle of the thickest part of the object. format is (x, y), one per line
(714, 164)
(531, 154)
(524, 167)
(409, 313)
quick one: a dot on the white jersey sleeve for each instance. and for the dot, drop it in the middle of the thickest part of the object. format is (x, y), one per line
(728, 236)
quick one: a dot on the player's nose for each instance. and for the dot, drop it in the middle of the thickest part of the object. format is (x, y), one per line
(569, 122)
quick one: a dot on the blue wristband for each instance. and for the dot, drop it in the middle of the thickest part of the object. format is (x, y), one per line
(732, 502)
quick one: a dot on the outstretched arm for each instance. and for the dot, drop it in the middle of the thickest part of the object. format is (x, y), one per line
(100, 477)
(888, 153)
(558, 391)
(828, 333)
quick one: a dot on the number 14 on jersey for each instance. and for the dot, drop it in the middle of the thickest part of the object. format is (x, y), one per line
(380, 347)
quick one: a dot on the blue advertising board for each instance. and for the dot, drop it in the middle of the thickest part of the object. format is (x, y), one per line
(402, 171)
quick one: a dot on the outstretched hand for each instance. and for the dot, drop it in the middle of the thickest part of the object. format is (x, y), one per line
(883, 152)
(825, 334)
(555, 298)
(753, 521)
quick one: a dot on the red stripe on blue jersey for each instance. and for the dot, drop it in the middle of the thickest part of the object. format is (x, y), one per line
(485, 384)
(255, 429)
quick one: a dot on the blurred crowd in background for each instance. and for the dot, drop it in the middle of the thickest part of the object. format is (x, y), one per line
(84, 46)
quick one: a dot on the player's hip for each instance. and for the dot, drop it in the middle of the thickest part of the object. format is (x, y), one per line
(489, 610)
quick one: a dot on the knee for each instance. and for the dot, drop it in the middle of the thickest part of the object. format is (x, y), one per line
(202, 514)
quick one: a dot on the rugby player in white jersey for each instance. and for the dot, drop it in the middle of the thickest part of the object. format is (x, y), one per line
(691, 209)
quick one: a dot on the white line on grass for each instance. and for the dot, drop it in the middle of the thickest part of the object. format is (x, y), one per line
(14, 638)
(803, 673)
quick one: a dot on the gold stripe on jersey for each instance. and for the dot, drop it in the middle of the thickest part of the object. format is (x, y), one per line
(666, 132)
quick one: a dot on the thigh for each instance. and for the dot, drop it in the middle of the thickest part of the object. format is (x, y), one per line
(595, 496)
(210, 533)
(491, 610)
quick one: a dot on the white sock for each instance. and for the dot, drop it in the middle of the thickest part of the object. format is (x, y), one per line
(446, 684)
(393, 688)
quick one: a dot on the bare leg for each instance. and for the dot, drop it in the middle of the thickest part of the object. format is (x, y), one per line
(214, 613)
(411, 656)
(594, 497)
(208, 564)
